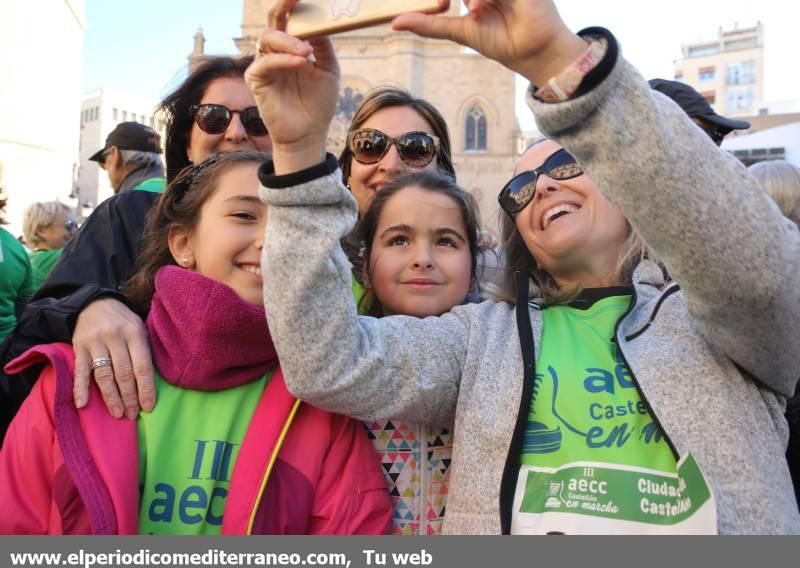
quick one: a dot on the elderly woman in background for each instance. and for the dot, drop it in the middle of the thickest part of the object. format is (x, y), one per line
(47, 228)
(781, 181)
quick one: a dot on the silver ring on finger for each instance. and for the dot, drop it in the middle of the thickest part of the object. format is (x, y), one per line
(100, 362)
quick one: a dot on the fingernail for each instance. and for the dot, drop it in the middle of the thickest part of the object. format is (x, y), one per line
(147, 404)
(116, 411)
(80, 402)
(132, 413)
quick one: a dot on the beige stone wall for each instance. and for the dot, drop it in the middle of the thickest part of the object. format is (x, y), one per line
(454, 80)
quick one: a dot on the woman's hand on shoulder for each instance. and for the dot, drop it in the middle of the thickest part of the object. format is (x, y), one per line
(107, 329)
(296, 86)
(527, 36)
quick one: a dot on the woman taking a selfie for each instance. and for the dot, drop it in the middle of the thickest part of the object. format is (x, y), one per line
(659, 409)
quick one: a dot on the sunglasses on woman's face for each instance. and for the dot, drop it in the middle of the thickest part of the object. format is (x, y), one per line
(214, 119)
(70, 225)
(518, 192)
(416, 149)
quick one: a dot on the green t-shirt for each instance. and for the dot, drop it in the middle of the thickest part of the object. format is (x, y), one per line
(16, 281)
(188, 447)
(42, 262)
(593, 458)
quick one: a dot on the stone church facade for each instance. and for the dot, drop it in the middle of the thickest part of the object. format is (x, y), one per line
(475, 96)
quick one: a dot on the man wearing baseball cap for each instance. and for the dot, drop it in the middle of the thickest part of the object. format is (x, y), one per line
(132, 158)
(696, 106)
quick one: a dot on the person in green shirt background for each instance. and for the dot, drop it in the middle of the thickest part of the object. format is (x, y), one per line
(47, 228)
(15, 275)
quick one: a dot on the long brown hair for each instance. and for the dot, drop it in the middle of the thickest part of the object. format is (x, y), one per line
(364, 233)
(387, 97)
(178, 208)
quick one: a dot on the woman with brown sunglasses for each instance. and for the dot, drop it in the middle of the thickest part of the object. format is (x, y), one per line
(612, 401)
(392, 132)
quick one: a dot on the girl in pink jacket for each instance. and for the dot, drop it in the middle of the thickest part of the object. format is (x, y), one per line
(227, 450)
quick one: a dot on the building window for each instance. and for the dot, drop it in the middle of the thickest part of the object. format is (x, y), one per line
(679, 75)
(115, 114)
(124, 116)
(475, 138)
(703, 50)
(741, 73)
(706, 74)
(741, 99)
(754, 155)
(96, 113)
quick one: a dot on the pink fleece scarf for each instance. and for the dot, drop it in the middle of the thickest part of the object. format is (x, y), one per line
(205, 337)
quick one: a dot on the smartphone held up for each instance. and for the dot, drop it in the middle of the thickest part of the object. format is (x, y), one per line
(324, 17)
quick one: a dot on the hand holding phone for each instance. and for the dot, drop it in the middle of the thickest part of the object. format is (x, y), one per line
(324, 17)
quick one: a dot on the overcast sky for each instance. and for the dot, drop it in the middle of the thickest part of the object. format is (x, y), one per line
(143, 48)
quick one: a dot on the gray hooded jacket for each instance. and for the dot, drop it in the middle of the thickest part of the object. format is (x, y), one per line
(714, 359)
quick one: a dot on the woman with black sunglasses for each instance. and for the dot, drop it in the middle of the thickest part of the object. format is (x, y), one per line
(613, 400)
(211, 111)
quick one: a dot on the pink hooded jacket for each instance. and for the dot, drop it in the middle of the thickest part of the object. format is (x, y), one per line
(300, 470)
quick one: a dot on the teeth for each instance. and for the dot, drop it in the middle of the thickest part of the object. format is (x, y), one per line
(566, 208)
(253, 269)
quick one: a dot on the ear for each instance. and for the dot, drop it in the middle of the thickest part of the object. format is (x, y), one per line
(181, 247)
(114, 157)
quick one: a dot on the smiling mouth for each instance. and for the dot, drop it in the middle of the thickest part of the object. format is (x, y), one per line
(557, 212)
(251, 268)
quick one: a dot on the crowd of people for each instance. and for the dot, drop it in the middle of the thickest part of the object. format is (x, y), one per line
(275, 340)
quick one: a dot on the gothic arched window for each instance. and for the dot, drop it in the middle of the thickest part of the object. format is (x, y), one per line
(475, 138)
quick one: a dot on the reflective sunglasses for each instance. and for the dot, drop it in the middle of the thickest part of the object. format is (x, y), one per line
(71, 226)
(214, 119)
(517, 193)
(416, 149)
